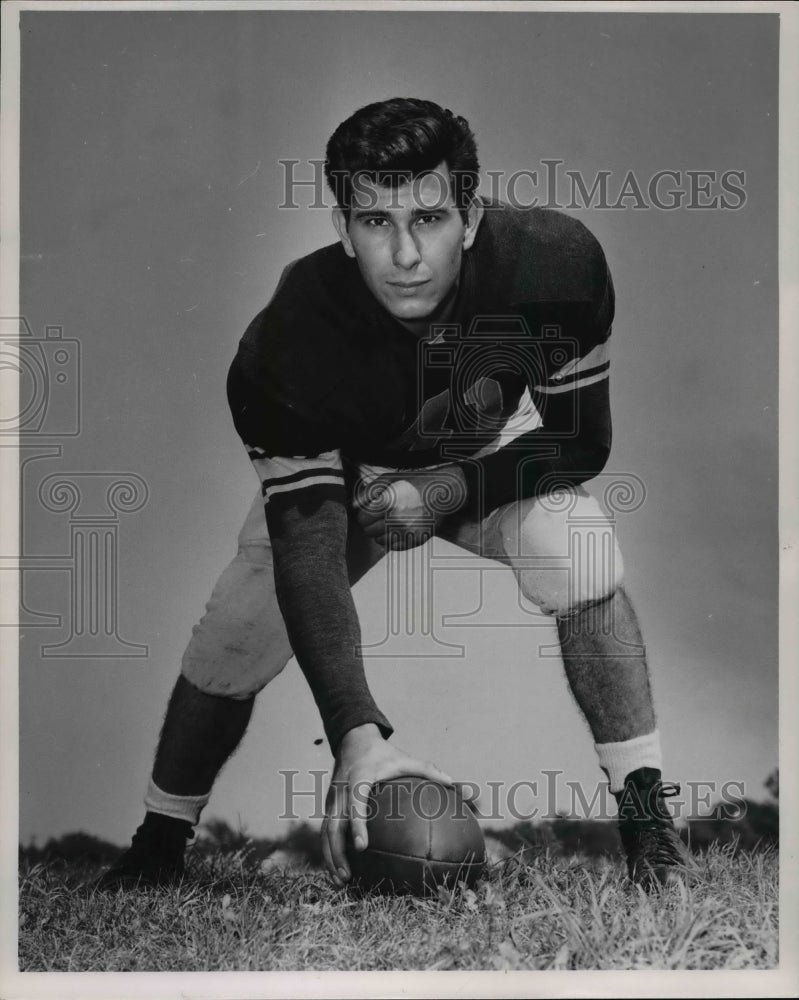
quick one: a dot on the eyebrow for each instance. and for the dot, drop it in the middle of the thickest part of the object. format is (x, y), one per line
(383, 213)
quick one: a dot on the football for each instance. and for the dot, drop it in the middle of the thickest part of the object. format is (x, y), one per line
(421, 835)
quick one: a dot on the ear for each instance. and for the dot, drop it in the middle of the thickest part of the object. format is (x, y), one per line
(474, 217)
(340, 222)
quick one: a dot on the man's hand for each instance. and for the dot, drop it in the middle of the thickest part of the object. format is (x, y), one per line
(364, 758)
(403, 509)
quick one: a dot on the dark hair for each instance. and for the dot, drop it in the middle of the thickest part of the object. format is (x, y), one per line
(392, 142)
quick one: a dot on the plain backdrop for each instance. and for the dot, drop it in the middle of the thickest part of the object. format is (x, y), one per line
(151, 233)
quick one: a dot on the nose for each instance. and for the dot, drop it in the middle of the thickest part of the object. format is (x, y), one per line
(406, 253)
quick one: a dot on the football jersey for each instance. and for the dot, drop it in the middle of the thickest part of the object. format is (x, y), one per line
(326, 385)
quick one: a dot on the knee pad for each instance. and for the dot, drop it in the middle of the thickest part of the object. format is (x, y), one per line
(563, 551)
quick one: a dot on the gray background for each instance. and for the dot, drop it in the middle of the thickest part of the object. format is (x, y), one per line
(151, 233)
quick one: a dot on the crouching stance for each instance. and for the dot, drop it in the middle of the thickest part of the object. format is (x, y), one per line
(441, 370)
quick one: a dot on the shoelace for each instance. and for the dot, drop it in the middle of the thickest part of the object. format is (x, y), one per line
(647, 807)
(657, 838)
(661, 791)
(660, 844)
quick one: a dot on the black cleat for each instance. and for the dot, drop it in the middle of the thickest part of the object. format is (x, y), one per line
(655, 853)
(154, 858)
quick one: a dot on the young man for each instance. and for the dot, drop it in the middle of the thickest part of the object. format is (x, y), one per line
(365, 439)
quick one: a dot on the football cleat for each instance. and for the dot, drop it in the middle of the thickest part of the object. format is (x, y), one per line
(655, 853)
(154, 858)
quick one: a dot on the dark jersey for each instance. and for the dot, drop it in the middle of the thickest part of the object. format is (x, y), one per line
(326, 386)
(325, 381)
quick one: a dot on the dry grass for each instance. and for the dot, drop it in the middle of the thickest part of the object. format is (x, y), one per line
(233, 913)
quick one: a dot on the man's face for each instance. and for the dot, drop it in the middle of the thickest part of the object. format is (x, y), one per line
(408, 242)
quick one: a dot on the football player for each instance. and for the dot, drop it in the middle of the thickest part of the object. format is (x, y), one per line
(442, 369)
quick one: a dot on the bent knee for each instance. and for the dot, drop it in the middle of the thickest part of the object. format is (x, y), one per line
(564, 552)
(236, 652)
(232, 670)
(240, 644)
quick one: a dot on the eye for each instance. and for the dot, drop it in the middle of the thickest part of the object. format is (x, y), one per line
(428, 220)
(375, 222)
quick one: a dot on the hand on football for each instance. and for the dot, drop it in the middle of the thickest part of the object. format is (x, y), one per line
(364, 758)
(403, 509)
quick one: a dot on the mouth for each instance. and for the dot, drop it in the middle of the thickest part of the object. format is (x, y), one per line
(408, 287)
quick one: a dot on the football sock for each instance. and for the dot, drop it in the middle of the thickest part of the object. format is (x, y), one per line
(185, 807)
(617, 760)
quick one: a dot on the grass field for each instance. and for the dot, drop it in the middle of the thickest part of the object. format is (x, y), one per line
(234, 913)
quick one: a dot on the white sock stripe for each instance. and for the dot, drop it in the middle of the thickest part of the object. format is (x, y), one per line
(619, 759)
(185, 807)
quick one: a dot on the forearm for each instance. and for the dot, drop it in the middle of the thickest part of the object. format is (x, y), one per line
(571, 447)
(322, 623)
(527, 468)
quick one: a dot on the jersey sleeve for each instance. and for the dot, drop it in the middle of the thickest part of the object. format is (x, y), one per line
(574, 353)
(573, 397)
(294, 455)
(298, 479)
(586, 369)
(569, 387)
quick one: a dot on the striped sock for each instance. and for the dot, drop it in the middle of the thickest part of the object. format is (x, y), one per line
(185, 807)
(617, 760)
